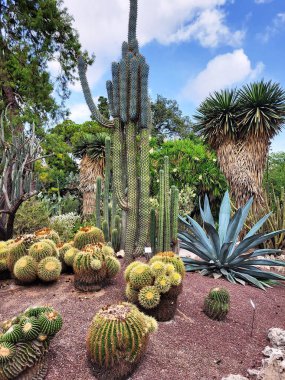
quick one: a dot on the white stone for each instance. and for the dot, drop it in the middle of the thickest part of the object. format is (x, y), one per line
(234, 377)
(277, 337)
(121, 254)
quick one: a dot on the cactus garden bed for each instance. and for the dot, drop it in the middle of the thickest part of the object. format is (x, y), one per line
(192, 346)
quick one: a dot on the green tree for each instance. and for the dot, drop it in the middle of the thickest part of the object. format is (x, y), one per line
(191, 163)
(103, 107)
(168, 120)
(275, 173)
(32, 35)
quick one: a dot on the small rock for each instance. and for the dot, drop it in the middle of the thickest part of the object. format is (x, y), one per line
(235, 377)
(273, 353)
(277, 337)
(121, 254)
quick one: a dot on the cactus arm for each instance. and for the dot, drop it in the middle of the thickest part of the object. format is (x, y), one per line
(166, 245)
(132, 181)
(98, 201)
(161, 212)
(132, 34)
(88, 97)
(117, 166)
(107, 178)
(144, 193)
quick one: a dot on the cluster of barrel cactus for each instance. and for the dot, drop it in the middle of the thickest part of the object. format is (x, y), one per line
(217, 303)
(24, 342)
(117, 340)
(41, 262)
(93, 265)
(155, 286)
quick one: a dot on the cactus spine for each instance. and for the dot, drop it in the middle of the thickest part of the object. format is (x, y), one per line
(129, 106)
(98, 201)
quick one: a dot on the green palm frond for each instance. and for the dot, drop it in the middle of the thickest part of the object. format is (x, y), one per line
(262, 109)
(217, 249)
(216, 117)
(92, 145)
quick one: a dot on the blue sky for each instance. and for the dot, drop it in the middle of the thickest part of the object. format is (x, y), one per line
(193, 46)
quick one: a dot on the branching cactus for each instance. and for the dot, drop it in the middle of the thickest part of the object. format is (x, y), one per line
(117, 340)
(24, 343)
(217, 304)
(154, 287)
(130, 109)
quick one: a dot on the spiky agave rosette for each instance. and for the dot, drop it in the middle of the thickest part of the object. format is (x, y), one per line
(117, 340)
(93, 266)
(155, 287)
(24, 343)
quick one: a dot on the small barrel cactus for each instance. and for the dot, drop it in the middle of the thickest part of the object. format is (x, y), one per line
(4, 251)
(154, 287)
(88, 235)
(93, 265)
(217, 304)
(62, 249)
(47, 233)
(24, 342)
(17, 250)
(69, 256)
(25, 269)
(49, 269)
(40, 250)
(117, 339)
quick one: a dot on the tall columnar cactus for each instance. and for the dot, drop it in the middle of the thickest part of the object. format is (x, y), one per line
(152, 230)
(107, 183)
(98, 201)
(130, 108)
(168, 211)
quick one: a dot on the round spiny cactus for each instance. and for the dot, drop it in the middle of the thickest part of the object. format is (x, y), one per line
(141, 276)
(169, 268)
(13, 335)
(53, 246)
(217, 304)
(88, 235)
(108, 251)
(129, 269)
(50, 322)
(48, 233)
(62, 249)
(70, 255)
(117, 339)
(49, 269)
(170, 258)
(4, 251)
(149, 297)
(17, 250)
(158, 268)
(131, 293)
(40, 250)
(7, 351)
(25, 269)
(113, 266)
(175, 279)
(30, 328)
(163, 283)
(35, 311)
(96, 264)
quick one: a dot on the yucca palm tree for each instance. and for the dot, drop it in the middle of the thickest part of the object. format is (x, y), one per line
(91, 150)
(239, 125)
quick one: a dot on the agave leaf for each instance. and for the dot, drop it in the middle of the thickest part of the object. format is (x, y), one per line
(240, 281)
(275, 263)
(228, 275)
(214, 237)
(200, 233)
(257, 225)
(224, 217)
(249, 279)
(266, 275)
(232, 227)
(206, 213)
(188, 260)
(224, 252)
(265, 237)
(258, 252)
(190, 268)
(200, 252)
(243, 247)
(204, 272)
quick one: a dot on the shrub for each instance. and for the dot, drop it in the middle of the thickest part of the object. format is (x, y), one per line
(64, 225)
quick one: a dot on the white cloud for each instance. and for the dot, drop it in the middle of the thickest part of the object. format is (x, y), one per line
(79, 112)
(102, 26)
(262, 1)
(278, 23)
(223, 71)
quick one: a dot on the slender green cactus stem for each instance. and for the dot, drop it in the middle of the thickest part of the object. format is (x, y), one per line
(161, 211)
(166, 239)
(152, 232)
(174, 213)
(98, 201)
(107, 179)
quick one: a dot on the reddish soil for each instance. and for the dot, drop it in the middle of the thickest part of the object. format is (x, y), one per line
(191, 347)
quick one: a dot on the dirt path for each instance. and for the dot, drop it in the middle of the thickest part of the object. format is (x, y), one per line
(191, 347)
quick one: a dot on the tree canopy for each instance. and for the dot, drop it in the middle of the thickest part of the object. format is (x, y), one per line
(34, 35)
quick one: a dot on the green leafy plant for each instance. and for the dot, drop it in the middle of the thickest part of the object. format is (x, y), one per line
(217, 249)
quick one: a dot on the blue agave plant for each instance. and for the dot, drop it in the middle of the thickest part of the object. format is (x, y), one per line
(218, 250)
